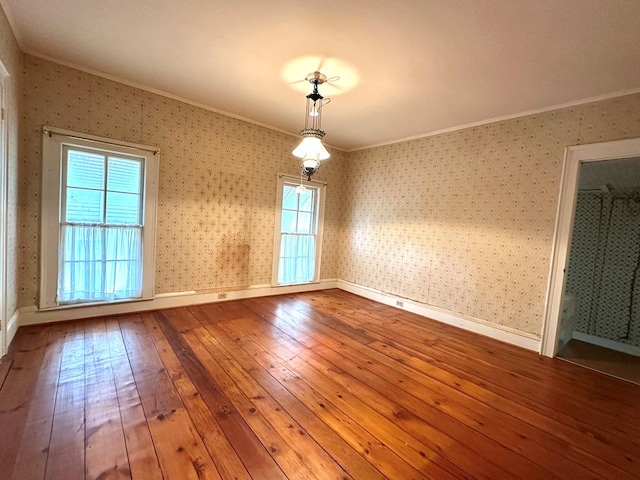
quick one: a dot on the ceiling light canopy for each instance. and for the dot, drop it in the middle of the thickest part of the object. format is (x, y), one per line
(311, 150)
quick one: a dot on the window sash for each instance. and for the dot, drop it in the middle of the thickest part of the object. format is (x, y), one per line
(99, 264)
(297, 258)
(107, 192)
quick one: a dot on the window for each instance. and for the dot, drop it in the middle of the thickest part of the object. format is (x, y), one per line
(298, 237)
(98, 222)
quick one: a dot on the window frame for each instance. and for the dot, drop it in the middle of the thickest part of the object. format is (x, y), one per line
(54, 141)
(321, 189)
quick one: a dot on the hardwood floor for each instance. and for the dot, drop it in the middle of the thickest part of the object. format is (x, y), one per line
(322, 385)
(601, 359)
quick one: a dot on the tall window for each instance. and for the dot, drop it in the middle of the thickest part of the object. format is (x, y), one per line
(298, 239)
(104, 204)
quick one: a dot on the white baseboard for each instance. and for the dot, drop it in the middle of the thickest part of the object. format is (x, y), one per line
(498, 332)
(606, 343)
(12, 327)
(32, 316)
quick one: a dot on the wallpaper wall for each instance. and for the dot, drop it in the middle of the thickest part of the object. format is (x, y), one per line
(464, 220)
(604, 264)
(11, 57)
(217, 189)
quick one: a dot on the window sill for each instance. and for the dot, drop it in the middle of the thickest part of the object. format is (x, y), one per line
(93, 304)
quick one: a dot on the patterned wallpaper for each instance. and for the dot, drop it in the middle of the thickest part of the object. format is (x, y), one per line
(603, 266)
(11, 57)
(464, 220)
(217, 190)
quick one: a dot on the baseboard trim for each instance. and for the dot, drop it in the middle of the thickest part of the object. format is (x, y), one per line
(497, 332)
(32, 316)
(607, 343)
(12, 327)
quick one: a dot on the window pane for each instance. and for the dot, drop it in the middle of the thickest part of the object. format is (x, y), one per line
(124, 175)
(84, 206)
(100, 263)
(304, 222)
(306, 201)
(288, 222)
(297, 259)
(289, 198)
(123, 208)
(85, 169)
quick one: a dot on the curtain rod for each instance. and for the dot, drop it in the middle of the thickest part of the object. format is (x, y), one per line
(50, 131)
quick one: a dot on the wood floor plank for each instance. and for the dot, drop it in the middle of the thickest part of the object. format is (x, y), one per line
(67, 450)
(253, 454)
(290, 458)
(480, 344)
(601, 442)
(256, 400)
(141, 453)
(550, 458)
(105, 448)
(352, 423)
(179, 447)
(259, 385)
(317, 385)
(26, 356)
(222, 453)
(522, 367)
(34, 444)
(545, 449)
(545, 393)
(472, 346)
(5, 366)
(578, 456)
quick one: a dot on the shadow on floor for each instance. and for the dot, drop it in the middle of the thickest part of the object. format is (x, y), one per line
(617, 364)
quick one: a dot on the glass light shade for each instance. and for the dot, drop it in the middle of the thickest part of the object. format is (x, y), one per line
(310, 163)
(311, 148)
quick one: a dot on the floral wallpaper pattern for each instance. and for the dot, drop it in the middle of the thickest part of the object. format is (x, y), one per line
(465, 220)
(462, 221)
(217, 190)
(603, 265)
(11, 57)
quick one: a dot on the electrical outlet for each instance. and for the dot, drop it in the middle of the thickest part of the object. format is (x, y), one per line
(399, 303)
(222, 295)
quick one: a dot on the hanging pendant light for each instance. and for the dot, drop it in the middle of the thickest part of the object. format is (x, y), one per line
(311, 150)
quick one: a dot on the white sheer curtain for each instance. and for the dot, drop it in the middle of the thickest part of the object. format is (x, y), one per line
(297, 258)
(99, 263)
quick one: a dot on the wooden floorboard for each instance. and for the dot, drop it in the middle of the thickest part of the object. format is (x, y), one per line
(320, 385)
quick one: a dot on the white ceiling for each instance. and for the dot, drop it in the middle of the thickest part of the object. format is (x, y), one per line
(406, 67)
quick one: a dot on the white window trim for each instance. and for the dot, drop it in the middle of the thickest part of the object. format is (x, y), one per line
(322, 190)
(53, 140)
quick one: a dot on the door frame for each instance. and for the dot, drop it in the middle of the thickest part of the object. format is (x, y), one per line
(4, 168)
(574, 156)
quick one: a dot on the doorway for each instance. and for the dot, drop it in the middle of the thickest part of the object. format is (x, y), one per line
(593, 308)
